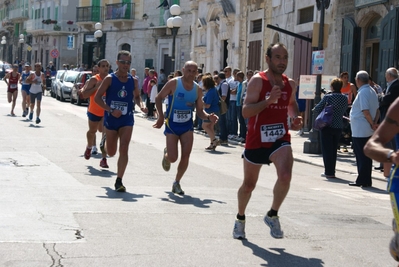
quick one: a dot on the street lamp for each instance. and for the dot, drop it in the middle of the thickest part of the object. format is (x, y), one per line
(4, 42)
(174, 23)
(21, 42)
(98, 34)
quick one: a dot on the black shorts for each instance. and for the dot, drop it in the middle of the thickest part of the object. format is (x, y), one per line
(262, 155)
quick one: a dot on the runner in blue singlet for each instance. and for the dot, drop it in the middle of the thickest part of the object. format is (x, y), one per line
(183, 96)
(120, 88)
(375, 149)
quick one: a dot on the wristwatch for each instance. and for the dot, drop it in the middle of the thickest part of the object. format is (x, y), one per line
(111, 110)
(389, 155)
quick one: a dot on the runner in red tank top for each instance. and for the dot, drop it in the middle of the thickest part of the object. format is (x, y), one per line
(12, 87)
(269, 101)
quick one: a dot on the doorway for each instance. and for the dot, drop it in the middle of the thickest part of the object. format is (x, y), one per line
(371, 59)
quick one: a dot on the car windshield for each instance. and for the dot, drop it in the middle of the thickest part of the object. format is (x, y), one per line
(6, 66)
(71, 77)
(59, 74)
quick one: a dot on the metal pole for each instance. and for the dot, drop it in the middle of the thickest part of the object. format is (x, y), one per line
(98, 49)
(174, 33)
(4, 52)
(312, 146)
(20, 58)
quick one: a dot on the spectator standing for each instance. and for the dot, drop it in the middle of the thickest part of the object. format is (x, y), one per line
(389, 95)
(161, 79)
(144, 88)
(330, 135)
(151, 76)
(363, 124)
(243, 127)
(232, 124)
(153, 94)
(211, 106)
(224, 92)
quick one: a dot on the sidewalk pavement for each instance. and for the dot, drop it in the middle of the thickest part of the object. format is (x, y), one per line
(346, 161)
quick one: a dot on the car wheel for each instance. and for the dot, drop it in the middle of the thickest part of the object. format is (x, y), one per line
(72, 100)
(62, 98)
(79, 101)
(57, 96)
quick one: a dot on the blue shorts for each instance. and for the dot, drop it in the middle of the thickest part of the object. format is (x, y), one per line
(26, 88)
(114, 124)
(93, 117)
(262, 155)
(177, 128)
(393, 189)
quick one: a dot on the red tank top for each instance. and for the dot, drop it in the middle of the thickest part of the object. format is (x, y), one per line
(13, 81)
(271, 123)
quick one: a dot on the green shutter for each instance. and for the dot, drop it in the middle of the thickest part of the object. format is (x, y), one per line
(56, 13)
(388, 52)
(350, 47)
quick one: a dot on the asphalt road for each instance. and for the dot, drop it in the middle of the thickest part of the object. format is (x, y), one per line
(58, 209)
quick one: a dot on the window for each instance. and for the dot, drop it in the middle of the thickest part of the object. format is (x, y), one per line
(256, 26)
(306, 15)
(48, 12)
(126, 47)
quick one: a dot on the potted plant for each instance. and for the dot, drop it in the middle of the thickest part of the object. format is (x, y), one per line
(69, 22)
(53, 21)
(57, 27)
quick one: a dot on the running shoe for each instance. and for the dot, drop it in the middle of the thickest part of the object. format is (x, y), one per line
(176, 189)
(274, 224)
(165, 162)
(87, 153)
(103, 163)
(94, 151)
(119, 187)
(31, 116)
(24, 113)
(38, 120)
(239, 229)
(102, 144)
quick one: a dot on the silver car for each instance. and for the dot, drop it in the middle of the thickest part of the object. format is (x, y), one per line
(67, 81)
(56, 82)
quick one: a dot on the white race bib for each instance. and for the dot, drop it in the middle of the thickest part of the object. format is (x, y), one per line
(13, 86)
(271, 132)
(122, 106)
(181, 116)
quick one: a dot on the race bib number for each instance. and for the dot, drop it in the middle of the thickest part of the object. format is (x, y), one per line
(13, 86)
(272, 132)
(181, 116)
(122, 106)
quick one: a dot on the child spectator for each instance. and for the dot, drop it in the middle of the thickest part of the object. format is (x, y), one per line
(154, 91)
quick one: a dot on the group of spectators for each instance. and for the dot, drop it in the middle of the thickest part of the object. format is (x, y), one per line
(368, 105)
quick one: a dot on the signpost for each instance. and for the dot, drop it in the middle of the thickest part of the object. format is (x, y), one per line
(307, 85)
(317, 62)
(54, 53)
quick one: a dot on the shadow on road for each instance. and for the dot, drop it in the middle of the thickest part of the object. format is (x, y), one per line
(281, 258)
(370, 189)
(100, 172)
(189, 200)
(125, 196)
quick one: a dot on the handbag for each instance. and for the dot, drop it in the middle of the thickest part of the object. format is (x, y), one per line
(324, 119)
(222, 106)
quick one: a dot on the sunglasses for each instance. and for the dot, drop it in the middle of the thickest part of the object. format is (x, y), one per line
(126, 62)
(105, 66)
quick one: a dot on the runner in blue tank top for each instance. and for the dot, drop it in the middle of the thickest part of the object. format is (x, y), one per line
(375, 149)
(183, 95)
(120, 88)
(25, 90)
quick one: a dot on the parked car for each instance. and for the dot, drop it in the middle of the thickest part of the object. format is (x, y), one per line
(80, 81)
(4, 68)
(56, 82)
(66, 83)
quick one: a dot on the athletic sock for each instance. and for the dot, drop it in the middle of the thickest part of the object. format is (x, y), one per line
(240, 217)
(272, 213)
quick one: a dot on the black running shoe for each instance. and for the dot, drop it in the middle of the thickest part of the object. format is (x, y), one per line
(119, 187)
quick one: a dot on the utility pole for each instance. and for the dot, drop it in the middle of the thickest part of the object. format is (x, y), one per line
(312, 146)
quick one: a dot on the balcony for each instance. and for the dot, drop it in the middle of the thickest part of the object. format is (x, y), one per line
(60, 28)
(7, 24)
(35, 26)
(87, 16)
(19, 14)
(120, 13)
